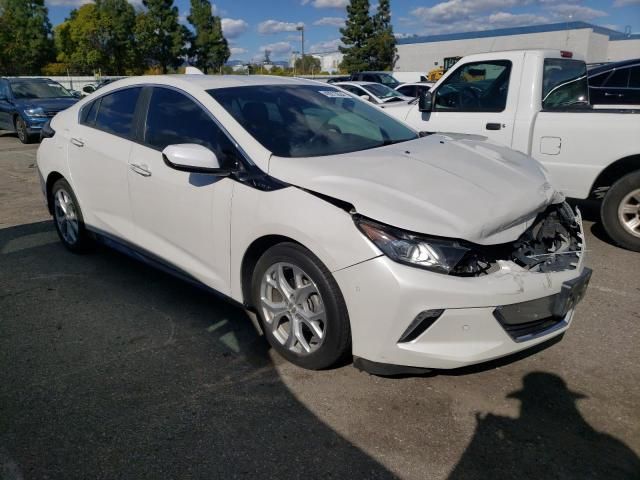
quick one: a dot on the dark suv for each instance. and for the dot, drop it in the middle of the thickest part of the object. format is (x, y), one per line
(615, 83)
(26, 104)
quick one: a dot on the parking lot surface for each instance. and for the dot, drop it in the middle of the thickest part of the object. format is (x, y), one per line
(110, 369)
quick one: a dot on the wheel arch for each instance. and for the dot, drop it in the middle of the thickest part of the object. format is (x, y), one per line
(613, 173)
(52, 178)
(251, 256)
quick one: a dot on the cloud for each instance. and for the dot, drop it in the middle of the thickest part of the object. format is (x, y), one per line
(326, 3)
(274, 26)
(233, 28)
(66, 3)
(328, 46)
(625, 3)
(277, 48)
(330, 21)
(235, 51)
(576, 12)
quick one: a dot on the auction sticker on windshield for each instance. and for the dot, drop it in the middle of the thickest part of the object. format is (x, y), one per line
(334, 94)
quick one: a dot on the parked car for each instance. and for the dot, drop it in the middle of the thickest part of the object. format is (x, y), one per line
(414, 90)
(615, 83)
(375, 93)
(26, 104)
(590, 154)
(339, 226)
(92, 87)
(384, 78)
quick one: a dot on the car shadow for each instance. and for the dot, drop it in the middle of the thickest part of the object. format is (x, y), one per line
(111, 369)
(549, 439)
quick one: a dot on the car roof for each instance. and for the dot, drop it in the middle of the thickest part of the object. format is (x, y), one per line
(611, 66)
(377, 72)
(28, 79)
(208, 82)
(416, 83)
(361, 84)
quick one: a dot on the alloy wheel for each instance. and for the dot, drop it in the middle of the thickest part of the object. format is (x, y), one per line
(21, 129)
(66, 216)
(629, 212)
(292, 308)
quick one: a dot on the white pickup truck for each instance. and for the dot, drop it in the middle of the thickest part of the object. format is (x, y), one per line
(537, 102)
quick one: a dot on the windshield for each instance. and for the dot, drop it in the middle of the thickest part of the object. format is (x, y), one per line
(388, 80)
(383, 92)
(564, 84)
(310, 120)
(39, 89)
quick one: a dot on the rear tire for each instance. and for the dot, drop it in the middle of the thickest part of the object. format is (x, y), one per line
(620, 212)
(68, 219)
(301, 308)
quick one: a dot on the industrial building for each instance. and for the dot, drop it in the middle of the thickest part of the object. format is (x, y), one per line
(597, 44)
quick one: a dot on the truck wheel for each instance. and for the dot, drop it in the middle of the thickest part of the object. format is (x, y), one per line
(621, 211)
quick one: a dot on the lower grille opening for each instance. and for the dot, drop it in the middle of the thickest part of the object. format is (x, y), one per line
(522, 330)
(420, 325)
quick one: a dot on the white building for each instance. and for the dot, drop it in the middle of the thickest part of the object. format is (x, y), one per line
(329, 61)
(597, 44)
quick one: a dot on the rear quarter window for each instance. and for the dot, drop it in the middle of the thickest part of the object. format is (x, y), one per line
(564, 84)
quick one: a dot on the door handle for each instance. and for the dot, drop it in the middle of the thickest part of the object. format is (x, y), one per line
(619, 95)
(494, 126)
(77, 142)
(141, 169)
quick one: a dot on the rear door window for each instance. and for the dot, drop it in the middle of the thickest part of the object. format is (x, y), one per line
(634, 77)
(116, 111)
(618, 79)
(564, 84)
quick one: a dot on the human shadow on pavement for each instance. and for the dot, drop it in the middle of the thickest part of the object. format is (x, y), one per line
(550, 439)
(111, 369)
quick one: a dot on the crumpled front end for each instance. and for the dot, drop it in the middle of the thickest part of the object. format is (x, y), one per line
(501, 299)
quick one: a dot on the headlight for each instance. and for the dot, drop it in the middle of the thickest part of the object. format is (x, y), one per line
(435, 254)
(35, 112)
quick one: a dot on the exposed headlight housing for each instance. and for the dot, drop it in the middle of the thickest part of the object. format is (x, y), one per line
(35, 112)
(435, 254)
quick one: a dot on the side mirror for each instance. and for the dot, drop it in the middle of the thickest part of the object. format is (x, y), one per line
(76, 94)
(365, 97)
(88, 89)
(425, 101)
(193, 158)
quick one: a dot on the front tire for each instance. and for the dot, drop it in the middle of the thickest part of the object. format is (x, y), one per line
(67, 217)
(621, 211)
(22, 131)
(302, 310)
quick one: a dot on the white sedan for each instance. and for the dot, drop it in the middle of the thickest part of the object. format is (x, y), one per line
(341, 228)
(376, 93)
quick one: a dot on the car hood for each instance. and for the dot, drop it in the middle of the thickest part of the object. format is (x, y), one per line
(449, 185)
(47, 104)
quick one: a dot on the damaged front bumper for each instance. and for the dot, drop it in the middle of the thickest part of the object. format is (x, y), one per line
(402, 315)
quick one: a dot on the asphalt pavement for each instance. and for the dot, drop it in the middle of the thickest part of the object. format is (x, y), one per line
(112, 370)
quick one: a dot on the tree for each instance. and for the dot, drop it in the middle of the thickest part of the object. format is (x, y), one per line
(26, 44)
(99, 36)
(356, 36)
(209, 49)
(383, 42)
(159, 35)
(307, 64)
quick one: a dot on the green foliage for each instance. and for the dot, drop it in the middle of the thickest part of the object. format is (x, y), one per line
(99, 36)
(54, 69)
(369, 43)
(307, 65)
(383, 42)
(25, 37)
(209, 49)
(159, 35)
(356, 35)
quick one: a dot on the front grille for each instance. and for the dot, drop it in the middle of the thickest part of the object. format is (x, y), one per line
(525, 331)
(522, 321)
(50, 113)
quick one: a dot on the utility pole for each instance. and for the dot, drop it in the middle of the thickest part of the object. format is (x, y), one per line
(300, 28)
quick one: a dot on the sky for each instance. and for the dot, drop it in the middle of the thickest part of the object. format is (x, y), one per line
(251, 26)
